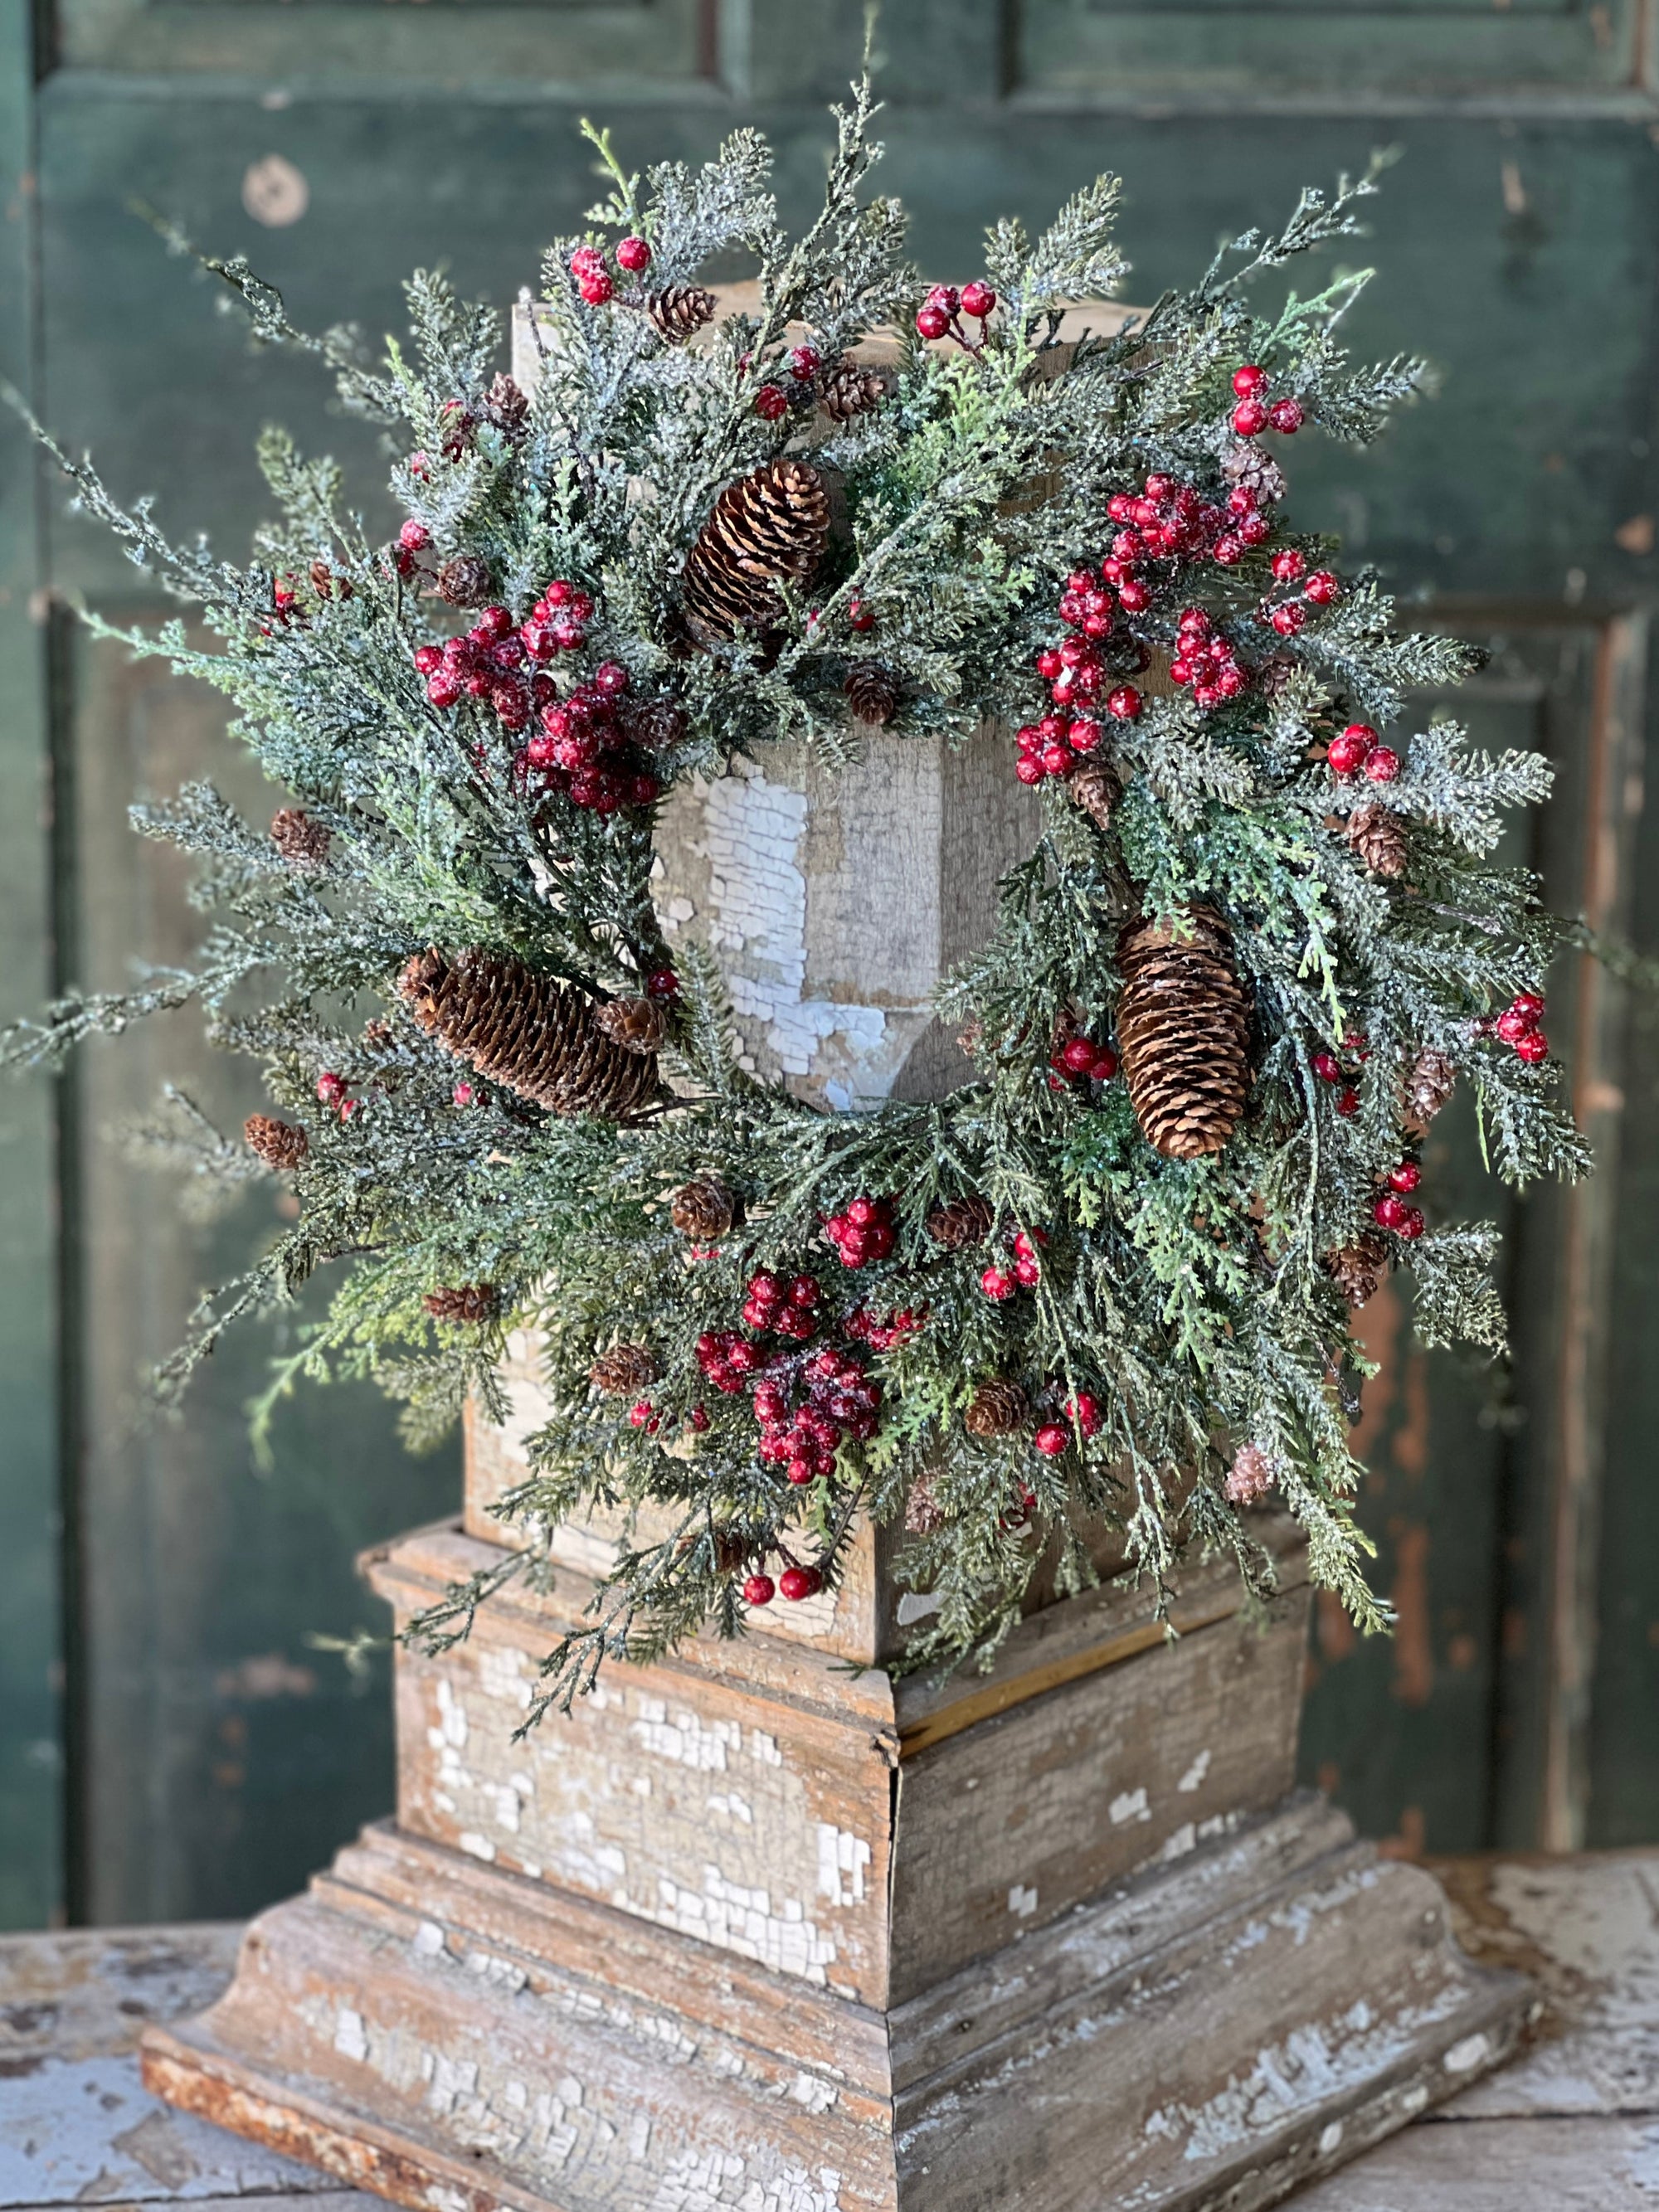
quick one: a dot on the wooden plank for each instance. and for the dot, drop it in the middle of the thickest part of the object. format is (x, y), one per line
(1533, 2166)
(89, 1994)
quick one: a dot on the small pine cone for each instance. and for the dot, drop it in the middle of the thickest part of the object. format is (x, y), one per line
(923, 1513)
(378, 1032)
(1251, 1476)
(999, 1408)
(1379, 838)
(1183, 1025)
(464, 581)
(538, 1037)
(872, 692)
(624, 1371)
(507, 406)
(962, 1222)
(849, 389)
(327, 584)
(1257, 471)
(1356, 1269)
(278, 1144)
(1095, 787)
(465, 1304)
(703, 1209)
(636, 1024)
(730, 1551)
(679, 311)
(301, 838)
(1428, 1087)
(658, 725)
(769, 526)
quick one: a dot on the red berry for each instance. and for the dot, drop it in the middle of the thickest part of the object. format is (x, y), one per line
(1123, 702)
(932, 322)
(1286, 416)
(1327, 1067)
(414, 537)
(463, 1094)
(1382, 764)
(331, 1088)
(1028, 1270)
(1134, 594)
(1085, 1410)
(1056, 760)
(584, 259)
(1529, 1003)
(634, 255)
(1289, 618)
(1289, 564)
(1051, 1439)
(1250, 381)
(797, 1583)
(1390, 1212)
(1406, 1176)
(640, 1413)
(1321, 588)
(1029, 770)
(861, 617)
(1104, 1065)
(805, 362)
(1533, 1048)
(1248, 418)
(1512, 1025)
(1347, 1103)
(771, 402)
(978, 300)
(997, 1283)
(1078, 1055)
(662, 983)
(759, 1590)
(598, 289)
(1346, 754)
(1228, 549)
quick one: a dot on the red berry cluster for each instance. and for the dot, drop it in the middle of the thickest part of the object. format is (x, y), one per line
(1081, 1057)
(585, 746)
(1329, 1069)
(862, 1232)
(1255, 412)
(806, 1409)
(332, 1092)
(1360, 747)
(1170, 521)
(592, 273)
(1082, 1415)
(498, 661)
(940, 313)
(795, 1582)
(1517, 1025)
(1389, 1209)
(998, 1282)
(788, 1309)
(864, 1323)
(773, 401)
(1205, 658)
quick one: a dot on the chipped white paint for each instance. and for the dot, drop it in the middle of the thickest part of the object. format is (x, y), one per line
(1463, 2057)
(474, 1845)
(1022, 1902)
(842, 1859)
(1128, 1805)
(681, 1736)
(1176, 1846)
(1194, 1776)
(1329, 2136)
(349, 2039)
(742, 1918)
(916, 1605)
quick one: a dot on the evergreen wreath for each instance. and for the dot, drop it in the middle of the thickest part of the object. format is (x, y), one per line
(1109, 1281)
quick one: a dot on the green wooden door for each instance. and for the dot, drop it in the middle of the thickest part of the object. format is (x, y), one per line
(169, 1741)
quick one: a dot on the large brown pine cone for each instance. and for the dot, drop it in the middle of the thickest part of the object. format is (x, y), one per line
(278, 1144)
(770, 526)
(1095, 787)
(636, 1024)
(1183, 1025)
(1379, 838)
(849, 389)
(999, 1408)
(872, 692)
(538, 1037)
(1428, 1087)
(624, 1371)
(961, 1222)
(464, 581)
(301, 838)
(1356, 1269)
(462, 1304)
(703, 1209)
(680, 310)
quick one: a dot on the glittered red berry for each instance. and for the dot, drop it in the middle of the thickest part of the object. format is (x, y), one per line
(1286, 415)
(1346, 754)
(1289, 618)
(1078, 1055)
(997, 1283)
(597, 289)
(860, 616)
(1533, 1048)
(932, 322)
(978, 300)
(1347, 1103)
(1123, 702)
(1406, 1176)
(759, 1590)
(805, 362)
(1327, 1067)
(634, 255)
(331, 1088)
(1085, 1410)
(463, 1094)
(1413, 1224)
(1249, 381)
(797, 1583)
(1389, 1211)
(662, 983)
(414, 537)
(1051, 1439)
(641, 1414)
(1248, 418)
(1134, 594)
(1382, 764)
(1322, 587)
(1228, 550)
(1104, 1065)
(1512, 1025)
(1029, 768)
(1288, 564)
(771, 402)
(1529, 1003)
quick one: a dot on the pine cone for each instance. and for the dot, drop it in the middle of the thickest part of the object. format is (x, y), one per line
(1379, 838)
(1251, 1476)
(923, 1513)
(327, 584)
(1184, 1033)
(703, 1209)
(278, 1144)
(1095, 787)
(962, 1222)
(1257, 471)
(1428, 1087)
(732, 1550)
(465, 1304)
(872, 692)
(999, 1408)
(770, 526)
(680, 310)
(537, 1036)
(657, 725)
(1358, 1269)
(464, 581)
(636, 1024)
(849, 389)
(507, 406)
(624, 1371)
(299, 837)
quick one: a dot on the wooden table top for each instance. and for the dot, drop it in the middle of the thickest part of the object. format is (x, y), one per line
(1572, 2125)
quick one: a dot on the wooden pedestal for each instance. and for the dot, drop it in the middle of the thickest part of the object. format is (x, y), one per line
(756, 1929)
